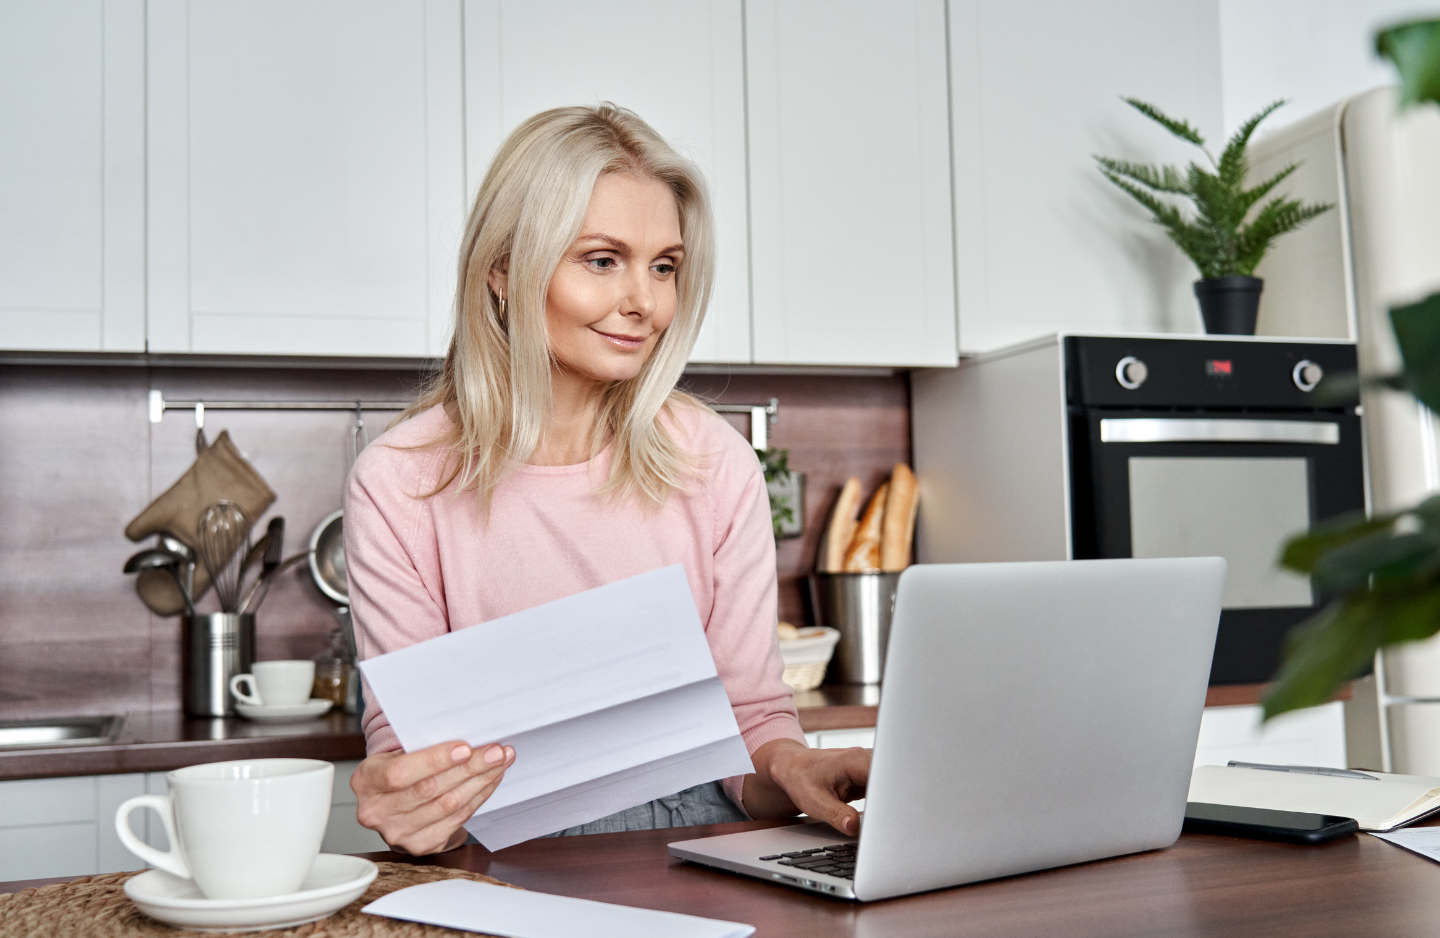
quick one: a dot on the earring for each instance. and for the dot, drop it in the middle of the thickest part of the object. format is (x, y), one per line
(502, 308)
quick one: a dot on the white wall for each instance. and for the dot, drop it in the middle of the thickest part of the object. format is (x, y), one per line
(1310, 52)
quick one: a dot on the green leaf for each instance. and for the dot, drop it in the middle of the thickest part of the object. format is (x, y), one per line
(1303, 552)
(1278, 216)
(1322, 653)
(1382, 556)
(1249, 197)
(1181, 129)
(1414, 48)
(1233, 163)
(1409, 613)
(1417, 330)
(1161, 179)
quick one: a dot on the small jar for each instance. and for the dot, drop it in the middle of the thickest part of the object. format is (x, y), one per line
(333, 673)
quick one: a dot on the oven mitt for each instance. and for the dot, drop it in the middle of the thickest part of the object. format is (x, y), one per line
(218, 473)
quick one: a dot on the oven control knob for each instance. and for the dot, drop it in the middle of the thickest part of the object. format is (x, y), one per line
(1131, 372)
(1307, 375)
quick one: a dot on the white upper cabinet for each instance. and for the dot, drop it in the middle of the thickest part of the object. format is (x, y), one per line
(306, 188)
(1043, 241)
(72, 175)
(850, 205)
(679, 65)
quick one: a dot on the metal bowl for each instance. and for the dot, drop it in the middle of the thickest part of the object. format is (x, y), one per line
(327, 558)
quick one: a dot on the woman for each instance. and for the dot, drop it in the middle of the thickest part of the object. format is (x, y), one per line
(553, 455)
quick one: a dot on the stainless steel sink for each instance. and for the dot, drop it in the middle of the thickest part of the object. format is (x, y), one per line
(62, 731)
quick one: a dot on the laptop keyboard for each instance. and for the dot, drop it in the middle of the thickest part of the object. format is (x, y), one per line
(834, 860)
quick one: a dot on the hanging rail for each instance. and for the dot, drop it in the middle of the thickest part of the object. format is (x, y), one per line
(761, 415)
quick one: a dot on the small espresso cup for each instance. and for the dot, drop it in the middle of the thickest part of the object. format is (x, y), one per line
(240, 830)
(275, 683)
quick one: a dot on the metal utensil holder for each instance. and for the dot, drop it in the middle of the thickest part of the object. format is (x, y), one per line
(214, 648)
(859, 605)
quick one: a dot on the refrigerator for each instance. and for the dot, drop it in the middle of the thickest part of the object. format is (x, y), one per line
(1337, 278)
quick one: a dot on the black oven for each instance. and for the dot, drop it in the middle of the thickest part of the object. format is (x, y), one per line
(1212, 447)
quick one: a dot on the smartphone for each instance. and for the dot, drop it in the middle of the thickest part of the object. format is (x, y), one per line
(1292, 827)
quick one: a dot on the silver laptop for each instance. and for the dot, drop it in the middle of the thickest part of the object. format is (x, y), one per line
(1033, 715)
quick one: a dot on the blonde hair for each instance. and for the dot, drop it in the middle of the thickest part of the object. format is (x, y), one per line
(495, 383)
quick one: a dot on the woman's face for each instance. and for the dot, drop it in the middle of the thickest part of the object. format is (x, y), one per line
(613, 293)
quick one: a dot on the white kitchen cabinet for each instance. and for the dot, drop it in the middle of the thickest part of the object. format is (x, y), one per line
(72, 175)
(65, 826)
(851, 247)
(306, 175)
(1042, 241)
(345, 835)
(680, 66)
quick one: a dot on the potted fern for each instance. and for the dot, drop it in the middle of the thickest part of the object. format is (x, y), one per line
(1218, 239)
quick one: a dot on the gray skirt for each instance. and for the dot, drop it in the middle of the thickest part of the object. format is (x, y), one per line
(703, 804)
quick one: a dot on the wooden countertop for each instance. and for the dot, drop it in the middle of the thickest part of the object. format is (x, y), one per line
(165, 740)
(1203, 886)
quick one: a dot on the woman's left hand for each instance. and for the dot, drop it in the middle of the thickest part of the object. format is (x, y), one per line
(791, 778)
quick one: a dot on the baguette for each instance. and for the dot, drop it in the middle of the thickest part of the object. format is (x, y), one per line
(864, 553)
(842, 528)
(899, 528)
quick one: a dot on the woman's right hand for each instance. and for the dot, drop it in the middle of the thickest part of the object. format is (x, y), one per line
(418, 801)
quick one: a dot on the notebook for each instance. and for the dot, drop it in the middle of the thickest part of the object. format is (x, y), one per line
(1392, 801)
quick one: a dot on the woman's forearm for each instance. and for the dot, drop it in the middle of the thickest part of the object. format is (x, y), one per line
(764, 795)
(791, 778)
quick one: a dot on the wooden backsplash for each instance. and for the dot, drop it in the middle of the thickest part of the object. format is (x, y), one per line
(80, 459)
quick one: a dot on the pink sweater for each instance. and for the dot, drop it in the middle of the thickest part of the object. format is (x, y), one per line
(420, 567)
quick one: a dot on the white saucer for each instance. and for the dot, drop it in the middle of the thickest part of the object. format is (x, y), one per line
(309, 710)
(332, 883)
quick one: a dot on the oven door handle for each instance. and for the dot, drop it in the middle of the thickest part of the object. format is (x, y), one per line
(1184, 430)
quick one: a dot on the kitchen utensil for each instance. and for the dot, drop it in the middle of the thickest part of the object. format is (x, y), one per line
(183, 550)
(240, 830)
(213, 648)
(158, 558)
(859, 605)
(152, 557)
(258, 590)
(223, 540)
(312, 709)
(334, 881)
(327, 557)
(275, 683)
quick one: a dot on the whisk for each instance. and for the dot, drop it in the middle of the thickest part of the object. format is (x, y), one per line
(224, 540)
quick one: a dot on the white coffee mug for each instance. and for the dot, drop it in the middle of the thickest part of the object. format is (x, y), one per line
(240, 830)
(275, 683)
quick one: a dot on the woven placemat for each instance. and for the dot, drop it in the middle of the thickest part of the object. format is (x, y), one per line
(97, 907)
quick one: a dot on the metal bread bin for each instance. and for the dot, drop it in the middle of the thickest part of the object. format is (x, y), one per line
(859, 606)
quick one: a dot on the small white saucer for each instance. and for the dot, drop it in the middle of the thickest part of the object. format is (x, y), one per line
(332, 883)
(309, 710)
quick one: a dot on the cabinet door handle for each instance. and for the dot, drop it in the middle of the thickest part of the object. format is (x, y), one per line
(1182, 430)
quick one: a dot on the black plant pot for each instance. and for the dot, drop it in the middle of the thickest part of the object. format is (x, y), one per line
(1229, 305)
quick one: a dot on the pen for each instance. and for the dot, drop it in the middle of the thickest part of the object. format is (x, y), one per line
(1305, 770)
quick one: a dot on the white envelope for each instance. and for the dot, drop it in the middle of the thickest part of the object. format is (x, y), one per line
(610, 698)
(519, 913)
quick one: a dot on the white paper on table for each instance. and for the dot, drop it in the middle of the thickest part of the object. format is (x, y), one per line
(519, 913)
(610, 698)
(1422, 840)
